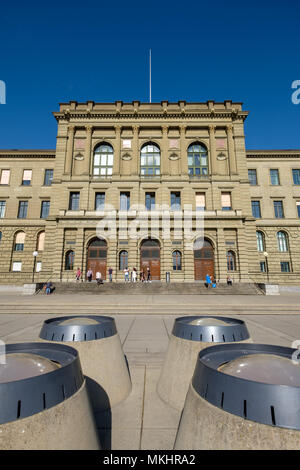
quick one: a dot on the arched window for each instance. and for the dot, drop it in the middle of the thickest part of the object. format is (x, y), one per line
(282, 241)
(260, 241)
(69, 260)
(41, 241)
(197, 159)
(103, 160)
(231, 265)
(123, 260)
(19, 241)
(176, 255)
(150, 160)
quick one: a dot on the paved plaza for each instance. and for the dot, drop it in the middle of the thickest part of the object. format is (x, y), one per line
(143, 420)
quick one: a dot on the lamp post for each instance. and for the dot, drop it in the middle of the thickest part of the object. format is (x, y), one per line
(34, 254)
(266, 254)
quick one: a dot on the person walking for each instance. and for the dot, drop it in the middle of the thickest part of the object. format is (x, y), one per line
(78, 274)
(126, 274)
(142, 276)
(89, 275)
(208, 281)
(148, 274)
(110, 273)
(134, 275)
(99, 278)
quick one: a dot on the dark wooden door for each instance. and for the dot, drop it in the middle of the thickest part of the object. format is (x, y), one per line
(150, 257)
(204, 262)
(96, 258)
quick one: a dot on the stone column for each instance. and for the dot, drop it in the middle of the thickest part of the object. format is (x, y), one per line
(220, 256)
(164, 152)
(231, 152)
(117, 155)
(212, 145)
(69, 154)
(87, 151)
(183, 152)
(135, 151)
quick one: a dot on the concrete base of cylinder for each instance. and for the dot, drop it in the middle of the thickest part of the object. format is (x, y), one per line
(206, 427)
(67, 426)
(178, 369)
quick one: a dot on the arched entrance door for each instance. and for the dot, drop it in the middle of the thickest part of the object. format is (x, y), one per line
(150, 256)
(96, 257)
(204, 261)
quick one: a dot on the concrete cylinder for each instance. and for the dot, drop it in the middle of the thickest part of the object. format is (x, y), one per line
(242, 397)
(190, 335)
(101, 355)
(44, 403)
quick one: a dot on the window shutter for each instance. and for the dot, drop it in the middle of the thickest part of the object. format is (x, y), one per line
(226, 199)
(200, 199)
(27, 175)
(5, 176)
(41, 241)
(20, 237)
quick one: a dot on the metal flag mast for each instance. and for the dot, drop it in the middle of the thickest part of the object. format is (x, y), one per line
(150, 74)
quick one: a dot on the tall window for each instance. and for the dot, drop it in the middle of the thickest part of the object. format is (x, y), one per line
(5, 175)
(231, 266)
(296, 176)
(99, 201)
(252, 175)
(150, 201)
(278, 209)
(41, 241)
(226, 201)
(175, 201)
(69, 260)
(19, 241)
(256, 209)
(285, 267)
(123, 260)
(74, 201)
(103, 160)
(274, 177)
(27, 175)
(176, 258)
(23, 208)
(197, 159)
(200, 201)
(45, 207)
(150, 160)
(2, 209)
(48, 177)
(282, 241)
(260, 241)
(124, 201)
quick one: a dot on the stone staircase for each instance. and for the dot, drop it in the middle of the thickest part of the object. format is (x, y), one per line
(155, 288)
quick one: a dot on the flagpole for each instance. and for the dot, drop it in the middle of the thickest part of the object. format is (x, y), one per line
(150, 74)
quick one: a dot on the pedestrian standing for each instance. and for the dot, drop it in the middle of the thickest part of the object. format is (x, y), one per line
(78, 274)
(208, 281)
(126, 274)
(110, 273)
(89, 275)
(99, 278)
(148, 274)
(134, 275)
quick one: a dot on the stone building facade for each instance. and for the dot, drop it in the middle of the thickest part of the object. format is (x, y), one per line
(125, 166)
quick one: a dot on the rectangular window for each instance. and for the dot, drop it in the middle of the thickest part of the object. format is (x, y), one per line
(278, 209)
(45, 207)
(274, 177)
(99, 201)
(252, 177)
(150, 201)
(263, 266)
(296, 177)
(124, 201)
(23, 208)
(226, 201)
(17, 266)
(200, 201)
(175, 201)
(256, 209)
(298, 208)
(285, 266)
(5, 175)
(48, 177)
(74, 201)
(27, 175)
(2, 209)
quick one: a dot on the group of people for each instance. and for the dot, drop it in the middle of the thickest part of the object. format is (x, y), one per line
(144, 277)
(98, 275)
(210, 281)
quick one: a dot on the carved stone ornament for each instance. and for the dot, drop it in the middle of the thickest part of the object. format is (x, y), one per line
(174, 156)
(126, 157)
(221, 156)
(79, 156)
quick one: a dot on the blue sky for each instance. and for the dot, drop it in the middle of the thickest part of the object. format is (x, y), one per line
(94, 50)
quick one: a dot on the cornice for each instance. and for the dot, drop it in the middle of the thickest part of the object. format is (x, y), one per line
(289, 153)
(27, 153)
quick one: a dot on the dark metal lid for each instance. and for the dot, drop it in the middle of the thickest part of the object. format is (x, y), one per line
(81, 328)
(26, 397)
(229, 329)
(266, 403)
